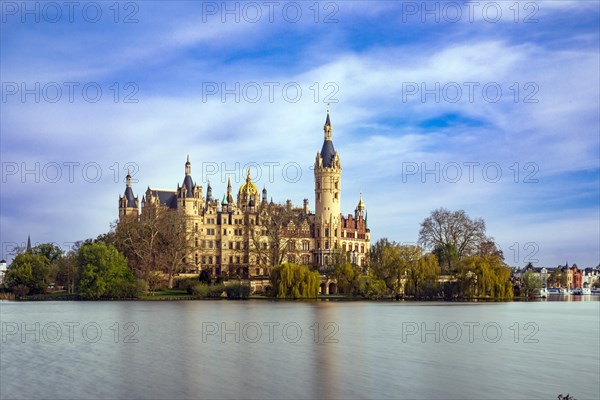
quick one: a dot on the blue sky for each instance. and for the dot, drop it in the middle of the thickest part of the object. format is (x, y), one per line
(490, 107)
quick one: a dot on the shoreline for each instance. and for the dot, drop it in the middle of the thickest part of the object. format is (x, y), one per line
(67, 298)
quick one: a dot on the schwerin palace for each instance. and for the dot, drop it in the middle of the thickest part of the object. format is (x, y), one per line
(218, 229)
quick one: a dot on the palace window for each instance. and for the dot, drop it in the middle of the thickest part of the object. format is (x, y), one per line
(210, 259)
(305, 245)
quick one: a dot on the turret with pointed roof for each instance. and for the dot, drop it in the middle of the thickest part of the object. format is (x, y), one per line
(128, 203)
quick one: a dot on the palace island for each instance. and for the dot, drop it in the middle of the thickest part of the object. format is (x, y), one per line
(245, 235)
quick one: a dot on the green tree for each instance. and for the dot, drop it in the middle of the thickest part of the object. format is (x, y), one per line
(28, 273)
(52, 252)
(293, 281)
(531, 283)
(447, 256)
(422, 277)
(103, 272)
(484, 277)
(385, 263)
(558, 278)
(369, 287)
(346, 275)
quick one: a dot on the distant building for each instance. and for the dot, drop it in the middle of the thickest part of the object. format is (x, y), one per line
(589, 277)
(539, 272)
(2, 270)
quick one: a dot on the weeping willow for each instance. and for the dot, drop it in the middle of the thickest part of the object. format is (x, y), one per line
(485, 276)
(293, 281)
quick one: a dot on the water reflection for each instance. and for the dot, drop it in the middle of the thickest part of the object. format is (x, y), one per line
(212, 349)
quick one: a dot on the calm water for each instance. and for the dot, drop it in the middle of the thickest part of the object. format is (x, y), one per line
(189, 350)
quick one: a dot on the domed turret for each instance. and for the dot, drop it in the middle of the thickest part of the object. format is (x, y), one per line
(248, 192)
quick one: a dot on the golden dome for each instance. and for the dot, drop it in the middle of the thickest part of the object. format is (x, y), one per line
(248, 189)
(361, 204)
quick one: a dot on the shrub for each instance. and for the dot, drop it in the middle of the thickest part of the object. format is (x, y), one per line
(237, 290)
(216, 291)
(141, 287)
(186, 284)
(199, 290)
(205, 276)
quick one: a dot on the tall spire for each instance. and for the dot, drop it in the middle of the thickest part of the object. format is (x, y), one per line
(229, 194)
(128, 178)
(327, 151)
(209, 196)
(327, 130)
(28, 243)
(188, 166)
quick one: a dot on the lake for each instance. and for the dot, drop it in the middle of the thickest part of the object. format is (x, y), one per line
(294, 350)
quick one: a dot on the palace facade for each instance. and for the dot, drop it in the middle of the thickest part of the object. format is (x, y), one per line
(230, 236)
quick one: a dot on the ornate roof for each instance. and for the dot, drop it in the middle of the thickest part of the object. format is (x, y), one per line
(248, 189)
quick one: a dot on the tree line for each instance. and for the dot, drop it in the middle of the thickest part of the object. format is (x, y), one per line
(453, 258)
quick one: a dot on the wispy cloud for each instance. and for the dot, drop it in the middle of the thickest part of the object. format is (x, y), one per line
(373, 66)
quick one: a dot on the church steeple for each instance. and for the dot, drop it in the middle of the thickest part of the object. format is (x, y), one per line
(28, 243)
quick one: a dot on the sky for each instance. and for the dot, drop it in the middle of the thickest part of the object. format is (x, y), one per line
(491, 107)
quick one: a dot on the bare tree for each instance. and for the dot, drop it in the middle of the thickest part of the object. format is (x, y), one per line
(453, 231)
(174, 243)
(277, 234)
(138, 241)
